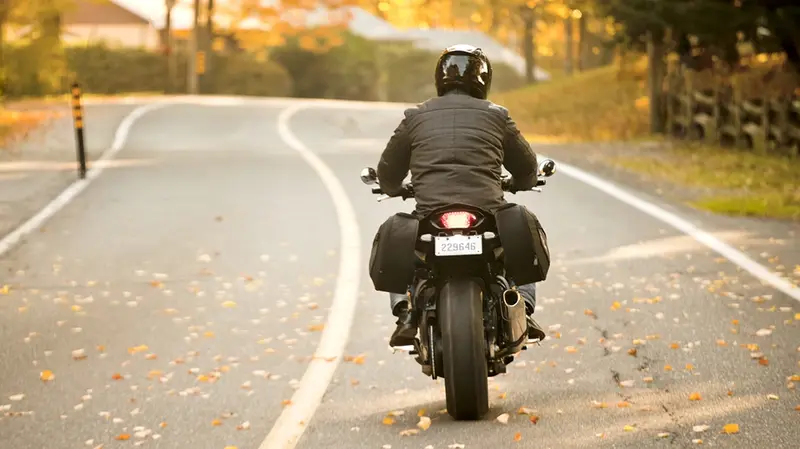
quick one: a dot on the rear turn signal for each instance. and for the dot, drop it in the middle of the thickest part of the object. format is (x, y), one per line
(457, 220)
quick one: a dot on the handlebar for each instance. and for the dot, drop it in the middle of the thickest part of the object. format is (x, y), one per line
(546, 168)
(506, 183)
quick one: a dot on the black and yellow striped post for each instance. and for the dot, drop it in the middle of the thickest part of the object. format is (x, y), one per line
(77, 116)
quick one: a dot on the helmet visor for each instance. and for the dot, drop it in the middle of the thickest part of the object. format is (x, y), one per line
(461, 66)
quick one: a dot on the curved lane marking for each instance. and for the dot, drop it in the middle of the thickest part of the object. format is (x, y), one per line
(294, 418)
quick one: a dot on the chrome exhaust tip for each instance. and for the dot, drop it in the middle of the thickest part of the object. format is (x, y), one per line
(511, 298)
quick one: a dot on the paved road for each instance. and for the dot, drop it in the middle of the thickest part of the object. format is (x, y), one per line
(177, 301)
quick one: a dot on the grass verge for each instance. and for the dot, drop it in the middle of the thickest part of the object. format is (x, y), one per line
(743, 183)
(596, 105)
(604, 105)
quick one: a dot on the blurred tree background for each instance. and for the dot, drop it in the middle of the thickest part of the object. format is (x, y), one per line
(258, 47)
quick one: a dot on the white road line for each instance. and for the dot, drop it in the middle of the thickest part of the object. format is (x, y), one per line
(291, 424)
(71, 192)
(737, 257)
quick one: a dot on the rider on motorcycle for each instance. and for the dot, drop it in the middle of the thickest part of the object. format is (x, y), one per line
(455, 145)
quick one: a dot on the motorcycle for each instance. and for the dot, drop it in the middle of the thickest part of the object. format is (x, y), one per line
(471, 322)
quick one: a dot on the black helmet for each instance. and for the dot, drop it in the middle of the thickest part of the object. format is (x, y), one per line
(464, 67)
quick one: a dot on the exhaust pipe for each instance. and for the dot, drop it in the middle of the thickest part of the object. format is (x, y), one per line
(513, 320)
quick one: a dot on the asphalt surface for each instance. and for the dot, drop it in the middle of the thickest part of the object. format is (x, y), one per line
(177, 301)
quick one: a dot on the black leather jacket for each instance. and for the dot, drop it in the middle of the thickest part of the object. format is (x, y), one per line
(454, 146)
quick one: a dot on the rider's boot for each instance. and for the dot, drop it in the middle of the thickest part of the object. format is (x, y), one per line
(406, 331)
(528, 293)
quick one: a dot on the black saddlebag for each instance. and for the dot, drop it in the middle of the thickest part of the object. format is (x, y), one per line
(526, 254)
(392, 260)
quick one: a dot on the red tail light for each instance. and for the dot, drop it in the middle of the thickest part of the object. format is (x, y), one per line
(457, 220)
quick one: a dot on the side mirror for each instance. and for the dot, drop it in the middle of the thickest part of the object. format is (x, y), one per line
(369, 176)
(547, 168)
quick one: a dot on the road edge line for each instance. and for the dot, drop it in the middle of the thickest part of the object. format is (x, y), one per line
(66, 196)
(737, 257)
(294, 419)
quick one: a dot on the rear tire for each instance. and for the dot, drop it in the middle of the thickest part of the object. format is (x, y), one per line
(460, 316)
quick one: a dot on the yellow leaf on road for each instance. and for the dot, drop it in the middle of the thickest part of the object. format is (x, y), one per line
(47, 375)
(731, 428)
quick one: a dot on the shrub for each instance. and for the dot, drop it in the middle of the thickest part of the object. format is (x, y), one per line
(104, 70)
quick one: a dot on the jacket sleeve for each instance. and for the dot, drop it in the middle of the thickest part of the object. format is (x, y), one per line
(396, 159)
(518, 157)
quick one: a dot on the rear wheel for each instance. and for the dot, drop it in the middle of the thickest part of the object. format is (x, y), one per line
(460, 316)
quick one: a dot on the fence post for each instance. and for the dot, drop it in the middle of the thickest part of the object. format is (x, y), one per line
(77, 116)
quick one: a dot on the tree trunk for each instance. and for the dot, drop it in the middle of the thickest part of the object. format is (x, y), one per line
(569, 42)
(583, 45)
(172, 60)
(528, 45)
(192, 82)
(5, 7)
(494, 22)
(656, 71)
(208, 44)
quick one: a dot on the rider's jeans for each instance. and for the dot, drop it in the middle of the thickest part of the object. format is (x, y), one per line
(527, 291)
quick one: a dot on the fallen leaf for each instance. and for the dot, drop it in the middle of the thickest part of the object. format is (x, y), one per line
(533, 419)
(730, 429)
(123, 437)
(695, 397)
(316, 327)
(424, 423)
(773, 397)
(216, 422)
(47, 375)
(517, 436)
(16, 397)
(503, 419)
(117, 376)
(388, 420)
(629, 428)
(408, 432)
(763, 332)
(229, 304)
(663, 435)
(135, 349)
(623, 404)
(700, 428)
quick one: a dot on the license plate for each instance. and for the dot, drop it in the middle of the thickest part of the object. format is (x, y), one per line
(458, 245)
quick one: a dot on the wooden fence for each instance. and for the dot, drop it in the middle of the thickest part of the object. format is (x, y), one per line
(732, 113)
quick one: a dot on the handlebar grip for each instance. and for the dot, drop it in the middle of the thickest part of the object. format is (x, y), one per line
(377, 191)
(541, 182)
